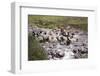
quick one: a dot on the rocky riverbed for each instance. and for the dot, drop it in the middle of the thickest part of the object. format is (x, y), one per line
(62, 43)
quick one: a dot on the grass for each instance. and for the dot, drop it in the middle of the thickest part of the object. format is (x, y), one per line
(57, 21)
(35, 51)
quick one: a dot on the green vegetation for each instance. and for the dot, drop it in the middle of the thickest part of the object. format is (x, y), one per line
(35, 51)
(57, 21)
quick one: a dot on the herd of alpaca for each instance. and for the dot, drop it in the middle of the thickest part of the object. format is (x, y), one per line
(62, 43)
